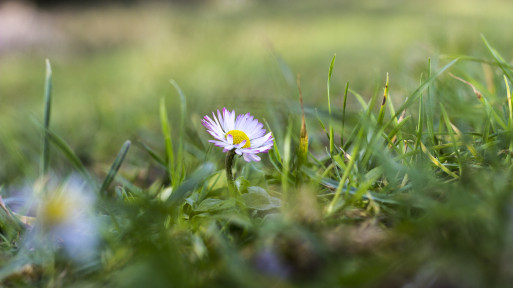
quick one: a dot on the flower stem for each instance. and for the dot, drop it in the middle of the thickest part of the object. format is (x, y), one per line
(229, 176)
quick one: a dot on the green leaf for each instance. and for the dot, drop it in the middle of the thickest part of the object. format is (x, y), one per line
(215, 205)
(242, 184)
(258, 199)
(197, 177)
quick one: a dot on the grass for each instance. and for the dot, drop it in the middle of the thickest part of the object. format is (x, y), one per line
(393, 204)
(119, 89)
(393, 182)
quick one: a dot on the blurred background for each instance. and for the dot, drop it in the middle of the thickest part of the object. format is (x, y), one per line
(112, 62)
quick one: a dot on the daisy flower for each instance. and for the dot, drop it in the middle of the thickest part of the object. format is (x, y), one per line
(243, 134)
(66, 221)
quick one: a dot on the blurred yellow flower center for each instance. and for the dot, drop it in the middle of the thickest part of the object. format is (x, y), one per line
(238, 137)
(56, 210)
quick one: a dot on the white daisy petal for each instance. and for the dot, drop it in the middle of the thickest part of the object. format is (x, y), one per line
(222, 118)
(238, 121)
(229, 138)
(251, 124)
(241, 125)
(215, 135)
(231, 122)
(251, 157)
(215, 127)
(218, 143)
(258, 132)
(241, 144)
(262, 140)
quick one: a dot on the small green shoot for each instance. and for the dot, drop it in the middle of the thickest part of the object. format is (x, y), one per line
(115, 167)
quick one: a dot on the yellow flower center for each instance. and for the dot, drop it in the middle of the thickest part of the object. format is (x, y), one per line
(56, 210)
(238, 137)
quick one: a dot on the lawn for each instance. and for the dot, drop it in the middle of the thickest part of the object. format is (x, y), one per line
(397, 173)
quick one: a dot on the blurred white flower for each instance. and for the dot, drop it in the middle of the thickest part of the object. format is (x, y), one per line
(65, 219)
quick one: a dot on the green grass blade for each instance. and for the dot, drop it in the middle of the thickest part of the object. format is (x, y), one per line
(303, 136)
(467, 58)
(397, 127)
(436, 162)
(416, 94)
(275, 150)
(510, 106)
(46, 122)
(359, 98)
(370, 178)
(371, 104)
(321, 123)
(166, 132)
(420, 123)
(354, 155)
(197, 177)
(339, 160)
(68, 153)
(115, 167)
(381, 114)
(183, 112)
(286, 159)
(344, 115)
(396, 135)
(429, 109)
(493, 115)
(505, 69)
(71, 156)
(332, 144)
(449, 125)
(352, 136)
(153, 154)
(510, 119)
